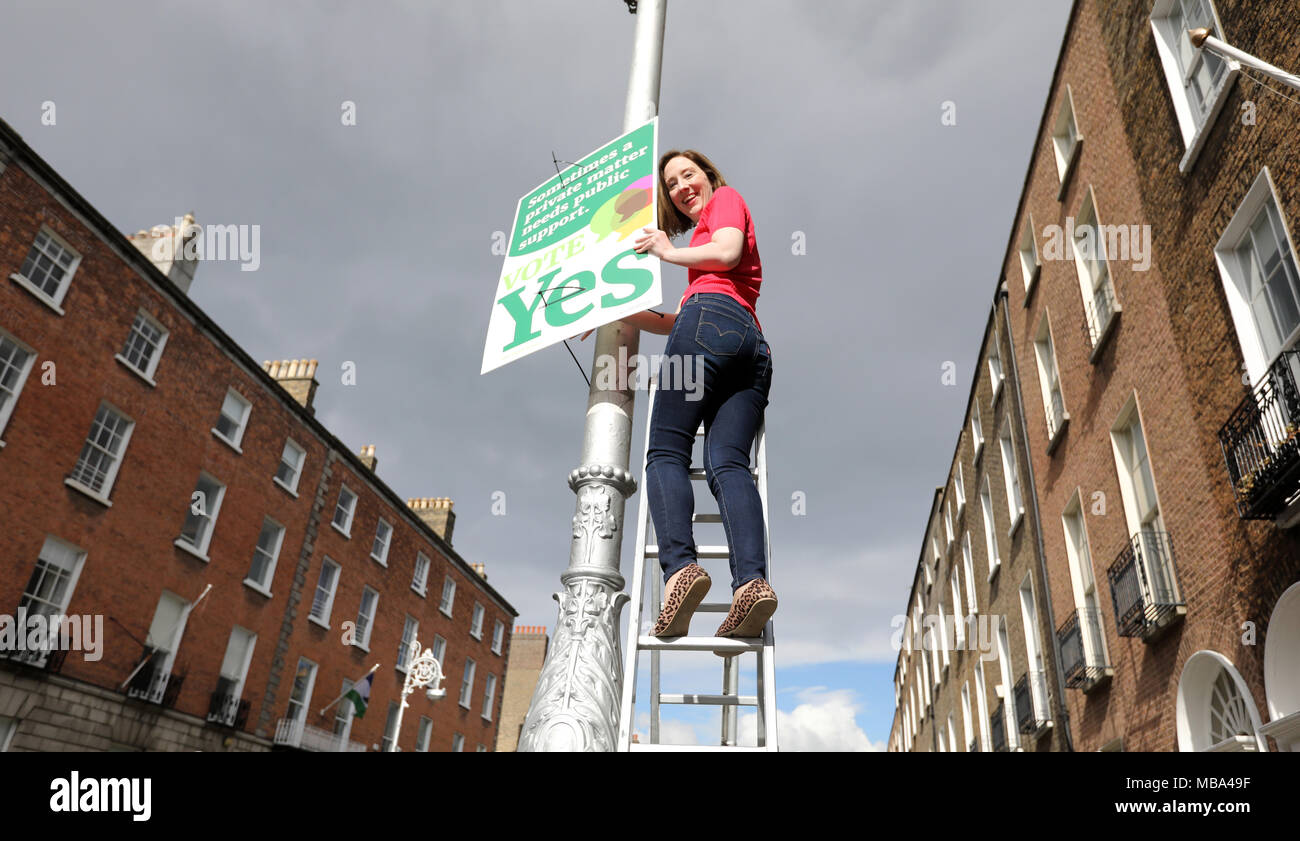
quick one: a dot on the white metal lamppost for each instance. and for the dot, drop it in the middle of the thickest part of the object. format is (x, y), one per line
(422, 670)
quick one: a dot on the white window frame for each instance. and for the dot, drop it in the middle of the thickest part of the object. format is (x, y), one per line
(1083, 581)
(410, 631)
(467, 683)
(345, 714)
(168, 647)
(390, 729)
(959, 612)
(476, 623)
(1049, 381)
(422, 735)
(1033, 648)
(382, 557)
(982, 706)
(997, 373)
(1254, 350)
(264, 587)
(242, 423)
(959, 484)
(489, 696)
(498, 636)
(345, 530)
(1094, 274)
(324, 619)
(54, 567)
(1031, 264)
(1010, 722)
(967, 735)
(1194, 129)
(990, 532)
(200, 550)
(362, 641)
(448, 601)
(943, 634)
(977, 432)
(420, 579)
(6, 410)
(292, 487)
(457, 743)
(947, 520)
(55, 301)
(439, 650)
(146, 373)
(1011, 476)
(238, 688)
(304, 705)
(1065, 150)
(110, 476)
(1135, 519)
(968, 566)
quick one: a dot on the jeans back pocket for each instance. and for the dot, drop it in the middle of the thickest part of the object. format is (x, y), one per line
(720, 332)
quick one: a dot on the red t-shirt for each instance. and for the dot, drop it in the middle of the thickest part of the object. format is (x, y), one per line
(726, 209)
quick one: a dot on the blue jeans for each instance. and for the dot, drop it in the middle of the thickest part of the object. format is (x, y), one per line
(716, 337)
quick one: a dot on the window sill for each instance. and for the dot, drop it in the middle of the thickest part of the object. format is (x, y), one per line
(464, 705)
(424, 594)
(979, 451)
(191, 549)
(1015, 524)
(400, 668)
(36, 293)
(997, 565)
(444, 611)
(486, 718)
(496, 651)
(1070, 166)
(223, 439)
(361, 645)
(383, 562)
(321, 622)
(1220, 98)
(85, 491)
(478, 636)
(290, 491)
(997, 390)
(338, 529)
(1059, 433)
(134, 370)
(2, 445)
(253, 585)
(1031, 282)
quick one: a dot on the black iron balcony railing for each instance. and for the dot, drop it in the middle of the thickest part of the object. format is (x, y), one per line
(1261, 442)
(1031, 705)
(1098, 312)
(228, 710)
(48, 660)
(1083, 656)
(1144, 585)
(154, 685)
(998, 730)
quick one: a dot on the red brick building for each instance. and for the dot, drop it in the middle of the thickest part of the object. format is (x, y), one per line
(1155, 314)
(246, 564)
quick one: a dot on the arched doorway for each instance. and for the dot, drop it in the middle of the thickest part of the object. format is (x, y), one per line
(1215, 709)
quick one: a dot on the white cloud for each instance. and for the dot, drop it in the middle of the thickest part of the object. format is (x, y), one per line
(823, 721)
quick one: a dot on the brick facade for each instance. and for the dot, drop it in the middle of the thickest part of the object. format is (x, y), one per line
(129, 535)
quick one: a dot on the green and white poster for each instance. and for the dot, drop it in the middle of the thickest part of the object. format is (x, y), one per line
(570, 264)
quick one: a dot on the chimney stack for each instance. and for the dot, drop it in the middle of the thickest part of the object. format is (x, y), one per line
(436, 513)
(481, 569)
(368, 457)
(298, 377)
(172, 248)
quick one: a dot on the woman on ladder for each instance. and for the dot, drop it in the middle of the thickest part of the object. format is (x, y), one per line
(716, 333)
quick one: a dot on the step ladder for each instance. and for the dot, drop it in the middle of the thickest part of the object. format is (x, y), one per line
(640, 639)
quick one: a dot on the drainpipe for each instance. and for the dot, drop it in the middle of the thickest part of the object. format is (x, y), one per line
(1062, 713)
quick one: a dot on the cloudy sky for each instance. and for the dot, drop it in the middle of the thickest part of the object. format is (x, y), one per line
(376, 249)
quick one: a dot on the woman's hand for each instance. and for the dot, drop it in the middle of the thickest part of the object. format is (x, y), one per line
(654, 242)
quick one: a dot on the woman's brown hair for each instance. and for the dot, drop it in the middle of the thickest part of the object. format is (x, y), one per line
(671, 220)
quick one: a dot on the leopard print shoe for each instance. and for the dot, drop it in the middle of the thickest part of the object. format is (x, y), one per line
(751, 607)
(685, 595)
